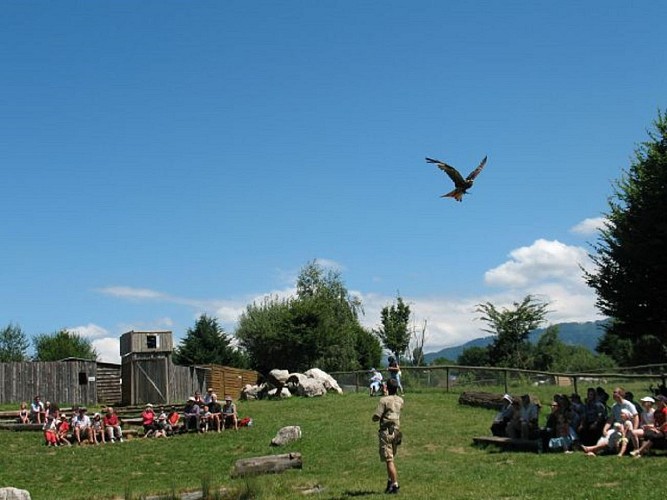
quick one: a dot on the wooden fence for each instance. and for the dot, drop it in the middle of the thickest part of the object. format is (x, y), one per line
(156, 381)
(227, 380)
(71, 381)
(458, 378)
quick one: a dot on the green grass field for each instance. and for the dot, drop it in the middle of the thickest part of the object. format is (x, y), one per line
(339, 449)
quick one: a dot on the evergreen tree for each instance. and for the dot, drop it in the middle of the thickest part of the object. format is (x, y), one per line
(207, 343)
(630, 278)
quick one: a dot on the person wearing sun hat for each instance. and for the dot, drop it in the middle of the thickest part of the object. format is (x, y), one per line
(229, 416)
(656, 433)
(148, 420)
(503, 417)
(646, 421)
(191, 414)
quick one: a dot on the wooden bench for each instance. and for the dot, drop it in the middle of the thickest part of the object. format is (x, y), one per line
(509, 443)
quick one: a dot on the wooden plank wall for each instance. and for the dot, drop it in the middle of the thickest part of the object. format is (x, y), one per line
(55, 381)
(108, 384)
(227, 380)
(185, 381)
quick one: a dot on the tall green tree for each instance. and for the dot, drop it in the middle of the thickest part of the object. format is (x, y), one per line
(14, 344)
(394, 332)
(511, 328)
(317, 328)
(63, 344)
(630, 275)
(207, 343)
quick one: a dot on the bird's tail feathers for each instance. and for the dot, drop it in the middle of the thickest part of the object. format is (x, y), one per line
(456, 194)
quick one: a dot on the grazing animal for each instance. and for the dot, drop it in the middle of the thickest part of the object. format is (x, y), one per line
(461, 185)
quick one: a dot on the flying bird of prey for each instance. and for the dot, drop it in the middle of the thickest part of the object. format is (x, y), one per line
(461, 185)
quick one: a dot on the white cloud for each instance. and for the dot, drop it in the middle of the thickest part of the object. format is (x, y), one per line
(543, 260)
(127, 292)
(107, 346)
(589, 227)
(108, 349)
(89, 331)
(546, 269)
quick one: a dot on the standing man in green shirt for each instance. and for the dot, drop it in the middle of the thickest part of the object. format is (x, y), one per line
(388, 413)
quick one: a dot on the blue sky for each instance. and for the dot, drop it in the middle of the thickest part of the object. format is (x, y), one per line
(165, 159)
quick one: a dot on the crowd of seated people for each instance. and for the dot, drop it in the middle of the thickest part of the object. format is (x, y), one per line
(591, 426)
(200, 414)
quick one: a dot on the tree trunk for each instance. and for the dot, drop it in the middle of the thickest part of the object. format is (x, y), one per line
(482, 400)
(267, 464)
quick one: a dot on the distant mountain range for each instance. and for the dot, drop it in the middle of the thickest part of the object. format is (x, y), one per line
(584, 334)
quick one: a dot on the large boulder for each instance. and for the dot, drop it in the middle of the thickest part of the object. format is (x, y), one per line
(329, 382)
(282, 393)
(301, 385)
(287, 435)
(277, 378)
(10, 493)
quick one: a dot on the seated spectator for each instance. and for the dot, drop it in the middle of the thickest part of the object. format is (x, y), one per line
(525, 425)
(97, 426)
(594, 418)
(50, 432)
(148, 420)
(81, 427)
(24, 414)
(204, 419)
(577, 407)
(629, 396)
(646, 421)
(215, 409)
(49, 410)
(112, 426)
(173, 421)
(63, 428)
(612, 442)
(656, 434)
(199, 399)
(229, 415)
(208, 396)
(191, 415)
(558, 434)
(37, 410)
(503, 417)
(620, 404)
(161, 425)
(375, 384)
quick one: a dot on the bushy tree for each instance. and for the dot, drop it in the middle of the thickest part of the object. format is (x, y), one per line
(552, 354)
(207, 343)
(474, 356)
(511, 328)
(317, 328)
(63, 344)
(394, 332)
(14, 344)
(630, 278)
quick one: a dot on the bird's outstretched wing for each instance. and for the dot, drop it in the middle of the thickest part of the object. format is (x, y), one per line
(475, 173)
(453, 174)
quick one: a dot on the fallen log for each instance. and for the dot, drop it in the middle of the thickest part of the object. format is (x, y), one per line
(482, 400)
(267, 464)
